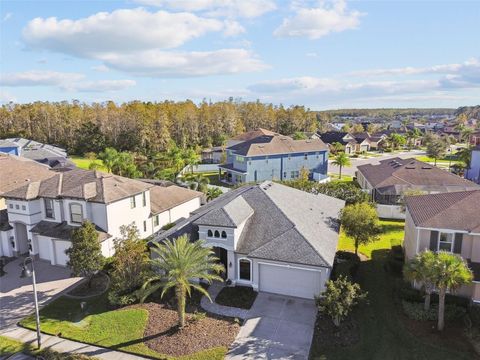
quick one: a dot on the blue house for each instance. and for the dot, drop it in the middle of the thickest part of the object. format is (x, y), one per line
(473, 171)
(270, 156)
(9, 147)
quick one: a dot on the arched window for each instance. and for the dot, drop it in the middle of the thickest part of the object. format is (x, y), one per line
(209, 233)
(245, 269)
(224, 234)
(217, 234)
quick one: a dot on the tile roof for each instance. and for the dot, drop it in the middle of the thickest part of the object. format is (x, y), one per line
(62, 230)
(164, 198)
(455, 210)
(393, 176)
(277, 144)
(285, 224)
(331, 137)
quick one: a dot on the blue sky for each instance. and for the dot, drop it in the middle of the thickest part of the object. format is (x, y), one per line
(322, 54)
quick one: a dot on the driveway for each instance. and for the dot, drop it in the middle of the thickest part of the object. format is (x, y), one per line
(277, 327)
(350, 170)
(16, 294)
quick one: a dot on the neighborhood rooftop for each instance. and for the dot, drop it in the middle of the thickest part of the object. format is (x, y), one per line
(282, 223)
(455, 211)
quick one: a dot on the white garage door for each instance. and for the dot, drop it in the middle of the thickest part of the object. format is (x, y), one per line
(60, 257)
(44, 248)
(298, 282)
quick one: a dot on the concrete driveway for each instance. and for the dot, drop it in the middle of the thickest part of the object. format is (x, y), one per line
(350, 170)
(277, 327)
(16, 294)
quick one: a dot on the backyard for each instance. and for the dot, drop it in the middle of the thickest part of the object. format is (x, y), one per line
(383, 331)
(84, 163)
(129, 329)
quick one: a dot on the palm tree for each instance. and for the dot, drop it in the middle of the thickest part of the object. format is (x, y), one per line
(179, 262)
(451, 272)
(341, 160)
(198, 182)
(191, 158)
(420, 270)
(109, 157)
(213, 193)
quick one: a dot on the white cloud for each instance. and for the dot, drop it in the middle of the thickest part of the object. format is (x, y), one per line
(7, 16)
(100, 68)
(313, 23)
(185, 64)
(6, 97)
(38, 78)
(64, 81)
(220, 8)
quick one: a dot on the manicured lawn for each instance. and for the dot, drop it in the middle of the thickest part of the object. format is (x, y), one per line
(120, 330)
(392, 234)
(241, 297)
(11, 346)
(213, 178)
(445, 160)
(382, 329)
(334, 177)
(84, 163)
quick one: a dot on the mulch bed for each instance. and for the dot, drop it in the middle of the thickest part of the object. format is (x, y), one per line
(163, 336)
(327, 335)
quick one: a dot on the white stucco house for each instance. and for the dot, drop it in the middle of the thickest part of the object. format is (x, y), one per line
(42, 211)
(271, 237)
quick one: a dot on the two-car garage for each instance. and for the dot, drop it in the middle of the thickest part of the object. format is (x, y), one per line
(53, 250)
(291, 280)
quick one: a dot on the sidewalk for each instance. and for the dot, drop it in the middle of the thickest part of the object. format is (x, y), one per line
(214, 308)
(66, 346)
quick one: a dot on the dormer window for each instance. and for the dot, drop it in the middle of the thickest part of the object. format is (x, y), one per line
(224, 235)
(209, 233)
(217, 234)
(49, 210)
(76, 213)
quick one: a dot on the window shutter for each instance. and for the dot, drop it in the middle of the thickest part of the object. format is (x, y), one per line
(433, 240)
(457, 246)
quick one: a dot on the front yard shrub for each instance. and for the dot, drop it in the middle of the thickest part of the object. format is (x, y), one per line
(415, 311)
(408, 293)
(346, 264)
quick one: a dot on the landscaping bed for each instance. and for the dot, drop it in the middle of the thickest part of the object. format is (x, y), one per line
(98, 285)
(241, 297)
(327, 334)
(201, 332)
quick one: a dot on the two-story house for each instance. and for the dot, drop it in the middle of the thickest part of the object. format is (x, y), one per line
(447, 222)
(271, 156)
(472, 173)
(390, 179)
(353, 143)
(271, 237)
(40, 215)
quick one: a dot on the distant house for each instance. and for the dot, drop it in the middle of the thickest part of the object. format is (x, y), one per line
(53, 156)
(473, 171)
(262, 155)
(43, 207)
(213, 155)
(447, 222)
(270, 237)
(475, 138)
(353, 143)
(390, 179)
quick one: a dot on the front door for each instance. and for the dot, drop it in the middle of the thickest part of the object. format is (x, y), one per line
(21, 238)
(222, 256)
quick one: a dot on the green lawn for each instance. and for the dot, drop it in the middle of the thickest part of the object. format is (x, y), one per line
(445, 160)
(213, 178)
(84, 163)
(392, 234)
(119, 330)
(334, 177)
(383, 334)
(11, 346)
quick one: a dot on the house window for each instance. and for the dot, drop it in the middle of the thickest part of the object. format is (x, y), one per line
(10, 206)
(132, 202)
(17, 207)
(217, 234)
(224, 234)
(284, 174)
(445, 242)
(245, 269)
(76, 213)
(156, 221)
(294, 174)
(144, 226)
(24, 207)
(240, 159)
(49, 212)
(305, 157)
(144, 199)
(209, 233)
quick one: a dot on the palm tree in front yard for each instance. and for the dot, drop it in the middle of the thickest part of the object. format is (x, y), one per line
(179, 264)
(341, 160)
(421, 270)
(451, 272)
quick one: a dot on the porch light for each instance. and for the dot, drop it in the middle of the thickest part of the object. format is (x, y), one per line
(230, 264)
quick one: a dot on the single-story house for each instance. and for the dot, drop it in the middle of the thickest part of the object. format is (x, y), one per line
(269, 236)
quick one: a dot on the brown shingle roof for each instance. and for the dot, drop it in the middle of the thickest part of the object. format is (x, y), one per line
(456, 210)
(253, 134)
(278, 144)
(395, 175)
(17, 172)
(164, 198)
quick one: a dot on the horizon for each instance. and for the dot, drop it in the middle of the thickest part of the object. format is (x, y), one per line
(324, 55)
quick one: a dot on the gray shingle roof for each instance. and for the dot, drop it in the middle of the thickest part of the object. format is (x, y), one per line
(62, 230)
(285, 224)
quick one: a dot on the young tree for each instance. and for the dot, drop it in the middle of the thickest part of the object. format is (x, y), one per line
(436, 148)
(130, 264)
(420, 269)
(298, 135)
(451, 272)
(395, 140)
(85, 254)
(341, 160)
(360, 222)
(336, 147)
(339, 299)
(178, 262)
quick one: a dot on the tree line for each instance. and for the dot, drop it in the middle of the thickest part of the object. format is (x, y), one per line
(147, 127)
